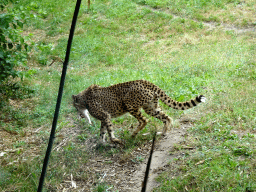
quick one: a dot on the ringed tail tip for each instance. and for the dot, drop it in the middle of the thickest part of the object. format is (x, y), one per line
(201, 98)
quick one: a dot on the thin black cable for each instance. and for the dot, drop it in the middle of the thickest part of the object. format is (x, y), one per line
(144, 184)
(57, 109)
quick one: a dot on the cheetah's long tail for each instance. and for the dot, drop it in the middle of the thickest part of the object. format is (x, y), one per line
(181, 105)
(172, 103)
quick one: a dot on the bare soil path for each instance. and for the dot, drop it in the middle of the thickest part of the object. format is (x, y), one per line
(160, 159)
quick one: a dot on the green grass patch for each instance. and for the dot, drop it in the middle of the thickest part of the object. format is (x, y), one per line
(118, 41)
(222, 162)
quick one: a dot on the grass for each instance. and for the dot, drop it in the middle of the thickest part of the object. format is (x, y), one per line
(235, 12)
(117, 41)
(223, 161)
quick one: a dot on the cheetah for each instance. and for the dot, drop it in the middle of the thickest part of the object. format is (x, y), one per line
(104, 103)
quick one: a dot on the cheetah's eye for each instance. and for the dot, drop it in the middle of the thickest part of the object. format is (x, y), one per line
(74, 98)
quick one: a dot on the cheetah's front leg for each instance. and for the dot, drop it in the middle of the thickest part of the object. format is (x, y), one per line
(142, 120)
(103, 131)
(96, 111)
(107, 127)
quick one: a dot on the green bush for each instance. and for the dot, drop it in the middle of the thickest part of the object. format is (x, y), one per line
(13, 49)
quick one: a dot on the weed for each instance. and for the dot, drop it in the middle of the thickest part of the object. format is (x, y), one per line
(138, 159)
(82, 137)
(101, 187)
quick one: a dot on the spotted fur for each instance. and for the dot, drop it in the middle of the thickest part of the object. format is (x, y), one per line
(105, 103)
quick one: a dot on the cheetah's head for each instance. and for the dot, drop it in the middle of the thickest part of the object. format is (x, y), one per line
(81, 107)
(76, 101)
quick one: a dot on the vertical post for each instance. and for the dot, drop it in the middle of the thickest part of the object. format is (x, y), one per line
(62, 81)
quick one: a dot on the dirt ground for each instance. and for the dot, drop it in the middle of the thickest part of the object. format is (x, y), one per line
(120, 171)
(123, 173)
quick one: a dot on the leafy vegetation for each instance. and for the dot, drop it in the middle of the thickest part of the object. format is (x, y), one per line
(164, 42)
(13, 47)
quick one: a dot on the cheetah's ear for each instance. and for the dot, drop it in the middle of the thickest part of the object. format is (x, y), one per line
(74, 97)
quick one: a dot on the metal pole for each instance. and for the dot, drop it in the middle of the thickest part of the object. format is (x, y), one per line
(62, 81)
(144, 183)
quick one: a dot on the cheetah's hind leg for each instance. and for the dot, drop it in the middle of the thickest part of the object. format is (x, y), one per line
(156, 111)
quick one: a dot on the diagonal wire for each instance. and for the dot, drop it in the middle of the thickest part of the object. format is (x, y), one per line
(62, 81)
(144, 184)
